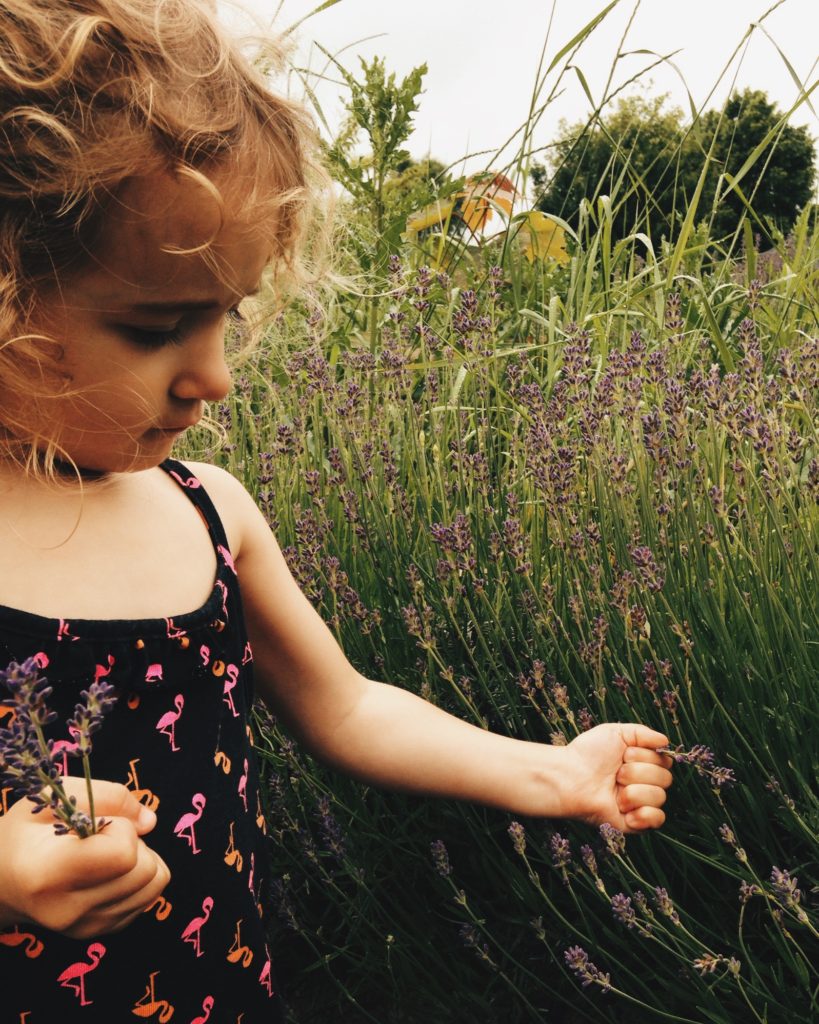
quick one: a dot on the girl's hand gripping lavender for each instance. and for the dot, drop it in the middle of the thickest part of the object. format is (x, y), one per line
(81, 887)
(60, 865)
(618, 777)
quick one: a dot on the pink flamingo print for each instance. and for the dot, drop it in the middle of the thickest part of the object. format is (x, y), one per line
(184, 828)
(191, 482)
(230, 682)
(207, 1006)
(167, 723)
(173, 632)
(227, 557)
(73, 977)
(248, 654)
(264, 977)
(224, 591)
(153, 674)
(250, 873)
(64, 632)
(193, 930)
(42, 659)
(242, 788)
(102, 670)
(68, 748)
(204, 654)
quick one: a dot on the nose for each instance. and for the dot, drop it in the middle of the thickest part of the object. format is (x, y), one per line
(203, 374)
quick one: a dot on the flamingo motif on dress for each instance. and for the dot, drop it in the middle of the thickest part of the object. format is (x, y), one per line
(64, 631)
(33, 946)
(153, 674)
(207, 1006)
(192, 483)
(167, 723)
(193, 929)
(224, 592)
(242, 788)
(264, 977)
(102, 670)
(227, 557)
(185, 827)
(73, 977)
(230, 682)
(148, 1005)
(66, 748)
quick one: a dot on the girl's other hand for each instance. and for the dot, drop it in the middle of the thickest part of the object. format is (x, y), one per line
(617, 776)
(81, 887)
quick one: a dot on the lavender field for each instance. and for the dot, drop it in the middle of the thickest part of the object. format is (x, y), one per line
(547, 493)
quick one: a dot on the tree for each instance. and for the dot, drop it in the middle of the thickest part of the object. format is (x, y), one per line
(634, 156)
(648, 161)
(780, 182)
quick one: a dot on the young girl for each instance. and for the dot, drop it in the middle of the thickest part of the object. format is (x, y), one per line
(147, 179)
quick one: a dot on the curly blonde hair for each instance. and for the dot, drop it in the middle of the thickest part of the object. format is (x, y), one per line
(95, 92)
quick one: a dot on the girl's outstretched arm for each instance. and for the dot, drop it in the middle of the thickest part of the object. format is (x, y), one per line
(391, 737)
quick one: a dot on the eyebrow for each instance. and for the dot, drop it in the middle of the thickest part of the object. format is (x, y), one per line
(186, 305)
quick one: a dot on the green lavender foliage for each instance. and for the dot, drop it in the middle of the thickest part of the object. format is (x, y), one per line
(538, 536)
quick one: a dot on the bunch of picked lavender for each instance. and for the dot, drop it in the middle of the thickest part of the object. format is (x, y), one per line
(27, 764)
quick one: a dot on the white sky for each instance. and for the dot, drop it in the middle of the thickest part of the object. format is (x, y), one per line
(483, 58)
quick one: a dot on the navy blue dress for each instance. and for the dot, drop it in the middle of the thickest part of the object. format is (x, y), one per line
(179, 739)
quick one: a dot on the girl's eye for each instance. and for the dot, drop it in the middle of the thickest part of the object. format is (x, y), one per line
(148, 338)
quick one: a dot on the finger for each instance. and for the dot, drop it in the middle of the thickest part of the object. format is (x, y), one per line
(643, 818)
(111, 798)
(635, 735)
(649, 774)
(631, 797)
(647, 756)
(100, 858)
(122, 903)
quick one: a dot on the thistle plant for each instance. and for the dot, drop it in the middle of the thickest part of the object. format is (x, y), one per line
(28, 765)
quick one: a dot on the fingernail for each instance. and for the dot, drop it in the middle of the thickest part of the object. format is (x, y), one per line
(146, 819)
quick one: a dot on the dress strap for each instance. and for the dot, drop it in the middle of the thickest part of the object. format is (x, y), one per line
(199, 497)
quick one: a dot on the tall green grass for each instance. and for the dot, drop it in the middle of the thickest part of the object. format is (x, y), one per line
(551, 497)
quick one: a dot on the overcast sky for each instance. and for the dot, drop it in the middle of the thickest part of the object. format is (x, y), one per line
(483, 58)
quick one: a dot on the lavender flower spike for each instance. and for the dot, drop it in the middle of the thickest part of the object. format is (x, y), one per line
(27, 764)
(613, 838)
(578, 960)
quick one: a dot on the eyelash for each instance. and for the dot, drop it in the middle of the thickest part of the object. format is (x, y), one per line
(159, 339)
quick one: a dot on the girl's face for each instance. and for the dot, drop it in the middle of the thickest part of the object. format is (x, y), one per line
(142, 329)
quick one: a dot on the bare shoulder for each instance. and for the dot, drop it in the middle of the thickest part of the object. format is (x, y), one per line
(237, 509)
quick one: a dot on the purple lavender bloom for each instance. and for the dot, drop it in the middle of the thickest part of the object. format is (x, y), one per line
(330, 830)
(440, 858)
(561, 851)
(613, 838)
(578, 960)
(27, 765)
(786, 891)
(623, 911)
(664, 905)
(518, 837)
(100, 698)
